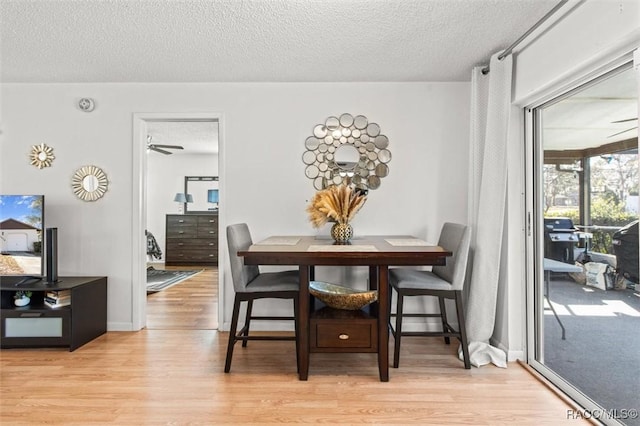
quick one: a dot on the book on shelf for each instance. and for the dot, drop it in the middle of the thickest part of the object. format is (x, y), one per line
(57, 304)
(57, 298)
(56, 294)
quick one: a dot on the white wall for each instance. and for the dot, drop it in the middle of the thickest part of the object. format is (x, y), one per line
(588, 31)
(591, 34)
(264, 128)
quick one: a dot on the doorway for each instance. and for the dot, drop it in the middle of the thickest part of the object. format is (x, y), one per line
(185, 294)
(586, 297)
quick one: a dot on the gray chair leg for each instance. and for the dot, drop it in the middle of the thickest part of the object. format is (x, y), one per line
(463, 330)
(232, 334)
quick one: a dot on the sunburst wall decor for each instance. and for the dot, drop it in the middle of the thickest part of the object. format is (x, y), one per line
(42, 156)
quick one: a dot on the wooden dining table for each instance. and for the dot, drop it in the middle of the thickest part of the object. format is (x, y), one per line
(376, 252)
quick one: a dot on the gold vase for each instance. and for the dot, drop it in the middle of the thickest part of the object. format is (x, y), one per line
(341, 233)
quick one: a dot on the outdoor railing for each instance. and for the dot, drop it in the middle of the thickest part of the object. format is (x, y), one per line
(602, 237)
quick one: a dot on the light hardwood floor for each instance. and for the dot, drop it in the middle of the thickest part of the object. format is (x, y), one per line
(173, 375)
(189, 305)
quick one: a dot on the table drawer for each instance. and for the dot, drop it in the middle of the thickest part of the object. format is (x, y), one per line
(337, 336)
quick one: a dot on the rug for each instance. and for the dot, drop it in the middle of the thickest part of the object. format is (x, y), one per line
(158, 279)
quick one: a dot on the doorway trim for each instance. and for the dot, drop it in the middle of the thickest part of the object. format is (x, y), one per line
(139, 207)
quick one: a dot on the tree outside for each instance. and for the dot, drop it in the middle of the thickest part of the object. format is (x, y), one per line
(614, 195)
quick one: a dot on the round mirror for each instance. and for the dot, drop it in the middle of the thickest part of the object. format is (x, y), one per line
(320, 131)
(346, 157)
(360, 122)
(89, 183)
(346, 120)
(41, 156)
(373, 129)
(318, 183)
(332, 123)
(312, 172)
(312, 143)
(373, 182)
(346, 150)
(308, 157)
(382, 170)
(381, 142)
(384, 156)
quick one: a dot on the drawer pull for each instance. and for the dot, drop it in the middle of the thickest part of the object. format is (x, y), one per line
(181, 221)
(343, 337)
(31, 315)
(212, 232)
(180, 232)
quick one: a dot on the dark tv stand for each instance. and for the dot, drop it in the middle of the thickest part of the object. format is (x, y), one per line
(38, 325)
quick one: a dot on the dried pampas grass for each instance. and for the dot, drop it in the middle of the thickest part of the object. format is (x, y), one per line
(338, 203)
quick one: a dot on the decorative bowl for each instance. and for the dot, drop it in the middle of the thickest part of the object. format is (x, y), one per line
(339, 297)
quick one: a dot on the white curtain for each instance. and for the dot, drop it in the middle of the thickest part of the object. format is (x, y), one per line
(490, 108)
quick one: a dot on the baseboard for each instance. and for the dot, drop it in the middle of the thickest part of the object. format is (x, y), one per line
(512, 355)
(262, 326)
(120, 326)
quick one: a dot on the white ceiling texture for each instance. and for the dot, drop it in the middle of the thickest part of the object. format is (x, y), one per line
(62, 41)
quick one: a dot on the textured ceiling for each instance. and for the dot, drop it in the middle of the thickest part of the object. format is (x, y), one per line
(79, 41)
(195, 137)
(251, 40)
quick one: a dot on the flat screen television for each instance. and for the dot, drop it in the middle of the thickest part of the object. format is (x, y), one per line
(22, 235)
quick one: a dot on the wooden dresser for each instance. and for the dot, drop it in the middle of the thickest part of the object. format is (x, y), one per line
(191, 239)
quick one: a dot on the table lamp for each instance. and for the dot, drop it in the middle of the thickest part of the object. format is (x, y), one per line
(213, 198)
(182, 198)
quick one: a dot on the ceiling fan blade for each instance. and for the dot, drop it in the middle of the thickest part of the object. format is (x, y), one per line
(167, 146)
(162, 151)
(624, 121)
(624, 131)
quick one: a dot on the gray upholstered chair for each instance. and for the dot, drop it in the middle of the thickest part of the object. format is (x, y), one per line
(443, 282)
(249, 285)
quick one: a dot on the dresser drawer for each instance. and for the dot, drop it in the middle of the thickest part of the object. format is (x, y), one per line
(192, 244)
(207, 233)
(181, 220)
(193, 256)
(208, 221)
(182, 232)
(348, 332)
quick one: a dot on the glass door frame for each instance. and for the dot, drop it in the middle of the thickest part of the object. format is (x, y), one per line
(534, 192)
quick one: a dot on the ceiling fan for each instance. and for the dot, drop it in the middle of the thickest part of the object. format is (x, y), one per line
(624, 131)
(159, 147)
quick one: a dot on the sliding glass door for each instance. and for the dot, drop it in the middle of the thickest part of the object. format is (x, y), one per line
(585, 297)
